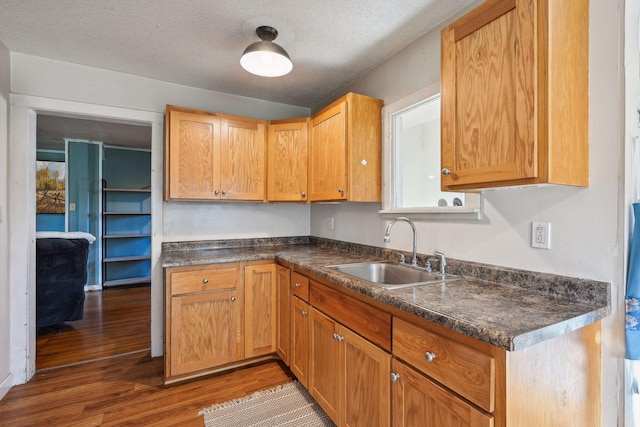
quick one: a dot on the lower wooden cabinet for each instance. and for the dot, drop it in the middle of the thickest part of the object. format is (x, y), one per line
(283, 315)
(217, 316)
(203, 317)
(260, 310)
(300, 334)
(418, 401)
(349, 376)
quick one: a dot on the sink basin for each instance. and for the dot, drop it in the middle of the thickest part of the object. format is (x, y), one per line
(392, 276)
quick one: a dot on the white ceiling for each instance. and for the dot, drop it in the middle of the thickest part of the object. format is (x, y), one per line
(198, 43)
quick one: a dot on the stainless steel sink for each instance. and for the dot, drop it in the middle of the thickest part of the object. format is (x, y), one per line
(392, 276)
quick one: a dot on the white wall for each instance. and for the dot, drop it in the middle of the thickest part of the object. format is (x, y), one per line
(5, 331)
(39, 85)
(587, 223)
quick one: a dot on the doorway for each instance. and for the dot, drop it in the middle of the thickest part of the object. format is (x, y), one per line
(115, 321)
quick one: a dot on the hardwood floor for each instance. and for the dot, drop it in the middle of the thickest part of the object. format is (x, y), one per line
(127, 390)
(116, 321)
(120, 390)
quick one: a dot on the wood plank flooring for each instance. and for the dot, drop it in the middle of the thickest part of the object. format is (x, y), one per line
(127, 391)
(116, 321)
(119, 390)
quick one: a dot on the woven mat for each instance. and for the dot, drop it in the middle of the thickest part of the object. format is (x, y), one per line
(288, 405)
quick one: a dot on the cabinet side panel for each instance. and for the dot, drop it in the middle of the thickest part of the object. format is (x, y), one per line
(568, 91)
(557, 382)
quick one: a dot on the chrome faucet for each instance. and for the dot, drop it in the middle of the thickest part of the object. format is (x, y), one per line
(440, 259)
(387, 236)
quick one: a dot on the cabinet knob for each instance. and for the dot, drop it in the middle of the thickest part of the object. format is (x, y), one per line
(446, 171)
(233, 299)
(303, 194)
(395, 377)
(205, 280)
(304, 313)
(297, 285)
(338, 337)
(429, 356)
(216, 192)
(224, 192)
(340, 190)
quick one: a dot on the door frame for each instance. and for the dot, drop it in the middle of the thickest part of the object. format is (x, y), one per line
(21, 214)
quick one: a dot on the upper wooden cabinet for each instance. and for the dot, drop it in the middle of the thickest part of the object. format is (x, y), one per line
(211, 156)
(515, 95)
(287, 148)
(345, 150)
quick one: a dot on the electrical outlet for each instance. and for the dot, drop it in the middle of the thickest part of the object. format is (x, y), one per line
(541, 235)
(72, 207)
(331, 223)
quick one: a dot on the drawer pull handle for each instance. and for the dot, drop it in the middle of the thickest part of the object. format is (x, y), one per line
(429, 356)
(205, 280)
(297, 285)
(394, 377)
(304, 313)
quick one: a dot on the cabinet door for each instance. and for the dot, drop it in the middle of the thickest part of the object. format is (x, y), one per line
(283, 298)
(325, 370)
(489, 95)
(328, 154)
(300, 334)
(287, 148)
(193, 156)
(259, 310)
(204, 331)
(365, 385)
(417, 401)
(242, 159)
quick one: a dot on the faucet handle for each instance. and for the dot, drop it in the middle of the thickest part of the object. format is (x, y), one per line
(402, 259)
(442, 260)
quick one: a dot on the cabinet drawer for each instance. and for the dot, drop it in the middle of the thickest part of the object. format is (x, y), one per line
(202, 279)
(366, 320)
(300, 286)
(467, 371)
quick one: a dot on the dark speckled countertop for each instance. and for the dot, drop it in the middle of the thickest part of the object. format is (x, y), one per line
(508, 308)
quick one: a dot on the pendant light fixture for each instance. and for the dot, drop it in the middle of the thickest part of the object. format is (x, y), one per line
(265, 58)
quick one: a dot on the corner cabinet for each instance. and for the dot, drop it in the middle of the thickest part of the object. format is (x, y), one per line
(345, 150)
(126, 236)
(287, 153)
(515, 95)
(212, 156)
(218, 316)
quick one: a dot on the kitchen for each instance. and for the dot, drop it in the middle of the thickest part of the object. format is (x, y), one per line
(588, 242)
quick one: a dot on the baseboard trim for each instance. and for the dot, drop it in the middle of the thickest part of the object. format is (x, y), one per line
(6, 385)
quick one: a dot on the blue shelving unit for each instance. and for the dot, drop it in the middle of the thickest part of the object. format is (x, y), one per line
(126, 238)
(126, 216)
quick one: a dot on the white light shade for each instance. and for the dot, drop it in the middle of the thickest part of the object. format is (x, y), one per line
(265, 58)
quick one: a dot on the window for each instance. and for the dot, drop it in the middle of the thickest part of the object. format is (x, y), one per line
(411, 161)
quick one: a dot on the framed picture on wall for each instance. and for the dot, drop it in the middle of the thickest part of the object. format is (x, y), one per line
(50, 187)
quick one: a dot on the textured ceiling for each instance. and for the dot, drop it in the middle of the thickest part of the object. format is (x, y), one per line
(199, 42)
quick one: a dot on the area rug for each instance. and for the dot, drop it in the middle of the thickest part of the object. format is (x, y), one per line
(288, 405)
